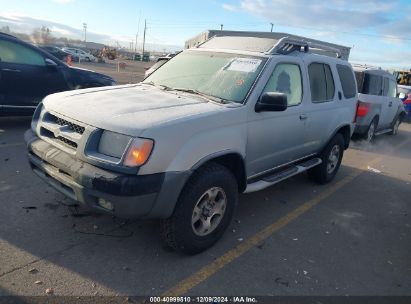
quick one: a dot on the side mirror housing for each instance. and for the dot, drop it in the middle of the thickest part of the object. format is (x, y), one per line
(50, 63)
(272, 102)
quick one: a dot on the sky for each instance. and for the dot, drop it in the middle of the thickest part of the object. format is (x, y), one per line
(379, 31)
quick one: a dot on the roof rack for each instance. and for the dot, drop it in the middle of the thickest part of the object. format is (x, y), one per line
(287, 45)
(365, 66)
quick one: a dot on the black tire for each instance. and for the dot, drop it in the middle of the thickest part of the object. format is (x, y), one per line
(321, 173)
(370, 134)
(178, 231)
(394, 127)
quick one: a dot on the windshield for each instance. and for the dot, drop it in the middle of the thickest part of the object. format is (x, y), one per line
(225, 76)
(406, 91)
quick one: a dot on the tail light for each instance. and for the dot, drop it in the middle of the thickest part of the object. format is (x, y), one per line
(363, 109)
(408, 100)
(354, 120)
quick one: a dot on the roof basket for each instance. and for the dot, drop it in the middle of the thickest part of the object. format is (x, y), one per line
(288, 45)
(365, 66)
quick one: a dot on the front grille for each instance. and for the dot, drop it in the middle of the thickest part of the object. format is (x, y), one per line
(67, 142)
(60, 131)
(62, 122)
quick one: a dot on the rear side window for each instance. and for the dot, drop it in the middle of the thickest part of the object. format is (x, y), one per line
(321, 82)
(11, 52)
(347, 80)
(372, 84)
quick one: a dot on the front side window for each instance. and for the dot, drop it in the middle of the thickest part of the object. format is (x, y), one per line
(392, 88)
(11, 52)
(286, 78)
(321, 82)
(372, 84)
(225, 76)
(385, 86)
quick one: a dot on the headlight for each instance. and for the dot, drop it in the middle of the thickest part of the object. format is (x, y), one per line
(138, 152)
(133, 151)
(113, 144)
(36, 116)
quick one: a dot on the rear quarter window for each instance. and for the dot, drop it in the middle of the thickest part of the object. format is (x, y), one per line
(347, 80)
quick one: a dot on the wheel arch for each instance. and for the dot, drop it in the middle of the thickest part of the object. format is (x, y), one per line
(233, 161)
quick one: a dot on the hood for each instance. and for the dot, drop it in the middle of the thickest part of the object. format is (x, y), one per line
(128, 109)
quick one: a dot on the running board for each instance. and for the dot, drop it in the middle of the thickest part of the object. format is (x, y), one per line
(383, 131)
(282, 175)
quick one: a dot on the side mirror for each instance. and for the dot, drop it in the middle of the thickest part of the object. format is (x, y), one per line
(50, 63)
(272, 102)
(401, 95)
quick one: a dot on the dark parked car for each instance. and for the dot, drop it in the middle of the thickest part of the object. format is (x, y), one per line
(28, 74)
(58, 53)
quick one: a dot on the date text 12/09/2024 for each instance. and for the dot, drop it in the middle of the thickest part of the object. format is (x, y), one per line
(188, 299)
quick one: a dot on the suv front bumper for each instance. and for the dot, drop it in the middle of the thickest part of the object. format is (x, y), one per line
(131, 196)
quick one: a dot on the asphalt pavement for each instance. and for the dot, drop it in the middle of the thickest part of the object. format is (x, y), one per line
(350, 237)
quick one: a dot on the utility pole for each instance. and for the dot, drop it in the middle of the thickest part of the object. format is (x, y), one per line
(85, 31)
(138, 31)
(272, 25)
(221, 27)
(144, 39)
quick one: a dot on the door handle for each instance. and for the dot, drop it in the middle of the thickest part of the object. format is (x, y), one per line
(303, 117)
(390, 104)
(11, 70)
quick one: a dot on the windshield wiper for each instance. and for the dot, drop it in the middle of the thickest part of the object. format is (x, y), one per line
(204, 95)
(191, 91)
(161, 86)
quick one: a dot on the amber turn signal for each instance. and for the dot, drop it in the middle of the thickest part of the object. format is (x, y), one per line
(138, 152)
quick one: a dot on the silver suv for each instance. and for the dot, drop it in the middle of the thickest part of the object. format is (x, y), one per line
(234, 115)
(379, 110)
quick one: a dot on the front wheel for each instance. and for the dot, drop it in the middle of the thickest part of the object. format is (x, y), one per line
(331, 160)
(395, 126)
(203, 211)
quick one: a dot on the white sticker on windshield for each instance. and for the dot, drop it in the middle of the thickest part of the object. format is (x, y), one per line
(248, 65)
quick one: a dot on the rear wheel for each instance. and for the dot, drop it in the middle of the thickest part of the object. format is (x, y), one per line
(331, 160)
(370, 134)
(203, 212)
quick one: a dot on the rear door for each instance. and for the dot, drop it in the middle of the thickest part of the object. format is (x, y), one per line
(25, 77)
(323, 112)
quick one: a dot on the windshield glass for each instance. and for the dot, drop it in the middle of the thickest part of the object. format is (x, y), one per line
(221, 75)
(406, 91)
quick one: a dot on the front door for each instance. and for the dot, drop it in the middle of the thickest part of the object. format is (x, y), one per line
(390, 102)
(26, 78)
(277, 138)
